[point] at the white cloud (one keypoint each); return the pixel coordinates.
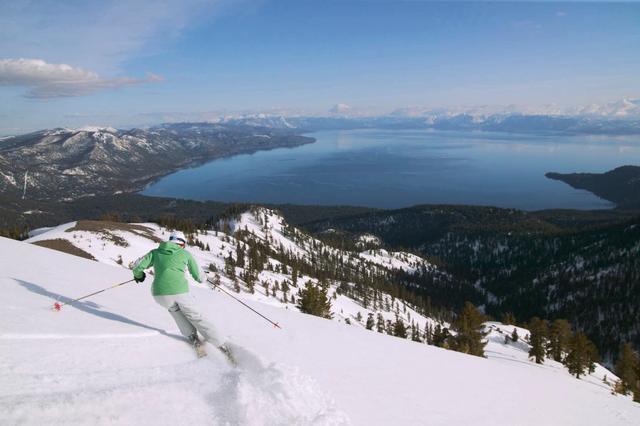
(29, 72)
(45, 80)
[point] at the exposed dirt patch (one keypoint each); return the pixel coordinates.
(104, 228)
(64, 246)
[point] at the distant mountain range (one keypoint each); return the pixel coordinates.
(470, 120)
(615, 118)
(65, 164)
(621, 109)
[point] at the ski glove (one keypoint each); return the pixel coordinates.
(141, 278)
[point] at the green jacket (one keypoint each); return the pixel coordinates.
(168, 261)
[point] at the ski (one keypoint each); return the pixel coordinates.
(227, 353)
(200, 351)
(198, 346)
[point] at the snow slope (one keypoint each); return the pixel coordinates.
(117, 359)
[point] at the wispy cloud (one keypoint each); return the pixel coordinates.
(98, 35)
(45, 80)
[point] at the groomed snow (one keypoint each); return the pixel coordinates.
(118, 359)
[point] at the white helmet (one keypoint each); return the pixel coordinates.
(178, 238)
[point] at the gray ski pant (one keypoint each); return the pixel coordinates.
(185, 313)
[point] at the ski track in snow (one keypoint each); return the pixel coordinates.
(206, 391)
(272, 395)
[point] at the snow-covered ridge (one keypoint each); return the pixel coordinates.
(269, 226)
(396, 260)
(368, 240)
(121, 245)
(97, 129)
(87, 129)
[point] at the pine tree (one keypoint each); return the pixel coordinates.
(514, 335)
(469, 327)
(251, 281)
(285, 289)
(370, 322)
(593, 356)
(239, 256)
(538, 331)
(229, 267)
(508, 319)
(428, 334)
(441, 336)
(380, 323)
(313, 300)
(577, 360)
(627, 370)
(559, 337)
(399, 329)
(415, 332)
(365, 299)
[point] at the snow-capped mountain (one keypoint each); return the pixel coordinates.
(618, 117)
(72, 163)
(624, 108)
(260, 120)
(118, 358)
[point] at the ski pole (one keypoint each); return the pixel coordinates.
(275, 324)
(57, 306)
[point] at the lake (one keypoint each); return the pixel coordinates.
(399, 168)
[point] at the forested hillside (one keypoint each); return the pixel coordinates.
(583, 267)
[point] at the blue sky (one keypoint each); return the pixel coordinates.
(136, 62)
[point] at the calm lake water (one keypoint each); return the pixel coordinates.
(399, 168)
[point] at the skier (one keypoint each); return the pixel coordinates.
(171, 290)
